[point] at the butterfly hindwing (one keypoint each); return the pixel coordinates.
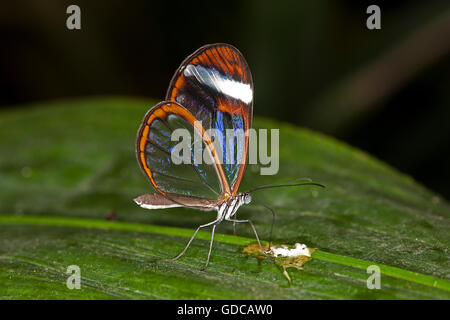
(163, 166)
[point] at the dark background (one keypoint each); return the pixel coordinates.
(385, 91)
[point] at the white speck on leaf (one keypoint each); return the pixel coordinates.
(283, 251)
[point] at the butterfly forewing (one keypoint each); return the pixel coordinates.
(216, 86)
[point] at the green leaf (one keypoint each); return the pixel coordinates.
(67, 165)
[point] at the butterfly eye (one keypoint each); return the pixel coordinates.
(247, 198)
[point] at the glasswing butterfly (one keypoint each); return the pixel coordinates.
(212, 89)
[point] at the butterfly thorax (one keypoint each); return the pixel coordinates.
(228, 208)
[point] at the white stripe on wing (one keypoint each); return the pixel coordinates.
(215, 80)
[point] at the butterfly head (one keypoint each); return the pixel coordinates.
(246, 197)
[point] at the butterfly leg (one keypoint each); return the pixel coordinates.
(273, 219)
(210, 247)
(254, 230)
(193, 236)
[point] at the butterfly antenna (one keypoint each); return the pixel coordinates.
(296, 179)
(269, 186)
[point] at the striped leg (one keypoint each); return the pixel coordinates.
(210, 247)
(218, 220)
(254, 230)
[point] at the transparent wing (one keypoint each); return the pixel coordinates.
(173, 163)
(216, 86)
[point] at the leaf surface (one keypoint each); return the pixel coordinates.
(66, 166)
